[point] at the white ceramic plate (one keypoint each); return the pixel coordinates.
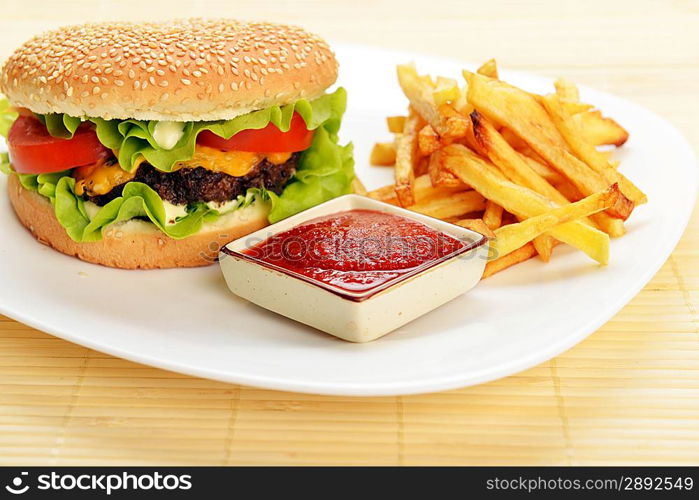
(187, 321)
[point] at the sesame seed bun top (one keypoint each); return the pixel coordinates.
(188, 70)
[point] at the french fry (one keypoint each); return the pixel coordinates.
(406, 160)
(521, 201)
(521, 113)
(422, 165)
(551, 176)
(421, 96)
(611, 225)
(574, 108)
(476, 225)
(587, 152)
(489, 69)
(424, 191)
(530, 153)
(520, 255)
(383, 154)
(387, 194)
(509, 238)
(404, 169)
(599, 130)
(461, 104)
(566, 188)
(446, 90)
(513, 139)
(395, 124)
(492, 217)
(456, 205)
(440, 176)
(358, 187)
(457, 124)
(427, 141)
(544, 246)
(567, 90)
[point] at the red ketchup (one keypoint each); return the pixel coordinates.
(356, 250)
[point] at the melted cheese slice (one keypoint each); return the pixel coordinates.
(100, 178)
(235, 163)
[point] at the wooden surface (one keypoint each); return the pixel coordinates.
(629, 394)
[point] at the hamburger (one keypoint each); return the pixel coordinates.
(151, 145)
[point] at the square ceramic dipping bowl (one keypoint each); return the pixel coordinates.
(356, 317)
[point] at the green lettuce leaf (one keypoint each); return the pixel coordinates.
(137, 200)
(5, 164)
(133, 138)
(7, 117)
(60, 125)
(325, 171)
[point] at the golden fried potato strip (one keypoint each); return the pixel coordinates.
(383, 154)
(599, 130)
(509, 238)
(489, 69)
(520, 255)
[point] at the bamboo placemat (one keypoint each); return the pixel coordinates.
(628, 394)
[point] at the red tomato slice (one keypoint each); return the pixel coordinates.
(34, 151)
(266, 140)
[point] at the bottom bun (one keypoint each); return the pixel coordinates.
(135, 244)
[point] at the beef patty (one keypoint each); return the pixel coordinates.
(191, 185)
